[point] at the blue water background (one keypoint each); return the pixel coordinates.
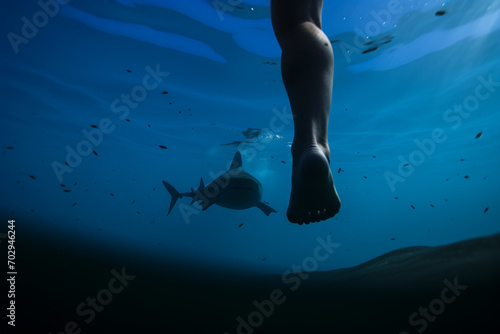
(224, 78)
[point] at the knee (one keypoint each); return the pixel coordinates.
(297, 32)
(290, 17)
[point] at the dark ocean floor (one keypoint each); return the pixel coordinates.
(447, 289)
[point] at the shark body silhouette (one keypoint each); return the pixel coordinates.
(234, 189)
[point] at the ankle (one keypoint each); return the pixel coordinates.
(300, 146)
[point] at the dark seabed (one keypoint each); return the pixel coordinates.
(458, 282)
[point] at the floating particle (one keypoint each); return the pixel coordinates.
(432, 205)
(447, 180)
(129, 71)
(67, 190)
(393, 238)
(133, 201)
(95, 153)
(162, 146)
(466, 176)
(413, 207)
(484, 178)
(283, 162)
(154, 188)
(273, 63)
(149, 125)
(405, 165)
(34, 178)
(264, 259)
(67, 164)
(272, 157)
(63, 185)
(440, 12)
(365, 177)
(335, 41)
(486, 210)
(111, 194)
(75, 183)
(462, 159)
(138, 212)
(152, 222)
(240, 225)
(164, 92)
(10, 147)
(396, 197)
(340, 170)
(94, 126)
(127, 120)
(170, 103)
(74, 204)
(86, 190)
(180, 111)
(479, 135)
(374, 156)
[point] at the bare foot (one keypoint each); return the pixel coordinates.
(313, 197)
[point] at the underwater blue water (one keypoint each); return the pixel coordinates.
(73, 70)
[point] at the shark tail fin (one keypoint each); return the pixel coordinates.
(265, 208)
(174, 193)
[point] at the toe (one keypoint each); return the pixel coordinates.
(317, 216)
(323, 214)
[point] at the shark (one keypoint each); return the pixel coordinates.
(234, 189)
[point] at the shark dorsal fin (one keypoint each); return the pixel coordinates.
(236, 161)
(201, 184)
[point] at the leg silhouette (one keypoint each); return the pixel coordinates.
(307, 70)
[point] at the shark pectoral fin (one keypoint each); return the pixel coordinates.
(265, 208)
